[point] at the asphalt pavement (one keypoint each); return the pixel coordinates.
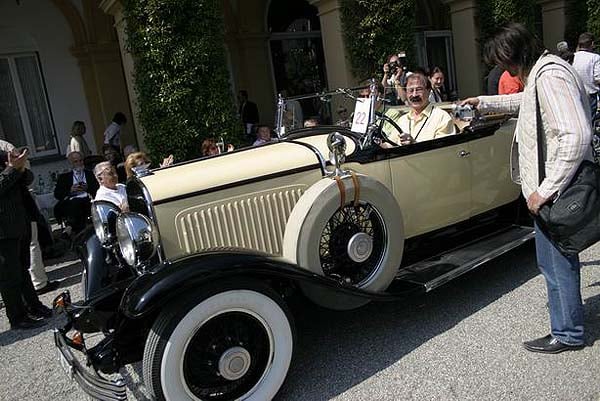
(460, 342)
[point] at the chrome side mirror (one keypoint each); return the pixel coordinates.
(337, 151)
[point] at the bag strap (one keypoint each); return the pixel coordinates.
(539, 129)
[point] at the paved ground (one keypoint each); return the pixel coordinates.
(461, 342)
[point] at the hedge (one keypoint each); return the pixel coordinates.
(181, 77)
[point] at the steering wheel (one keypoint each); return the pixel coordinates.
(381, 134)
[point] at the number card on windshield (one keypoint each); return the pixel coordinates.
(362, 109)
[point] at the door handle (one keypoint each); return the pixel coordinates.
(464, 153)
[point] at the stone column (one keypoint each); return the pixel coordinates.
(339, 70)
(115, 8)
(554, 18)
(465, 32)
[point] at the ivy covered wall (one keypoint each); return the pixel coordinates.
(493, 14)
(373, 29)
(593, 20)
(181, 77)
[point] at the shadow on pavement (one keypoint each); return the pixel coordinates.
(9, 337)
(591, 308)
(354, 345)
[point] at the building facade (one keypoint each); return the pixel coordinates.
(65, 60)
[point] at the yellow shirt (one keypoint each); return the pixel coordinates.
(431, 123)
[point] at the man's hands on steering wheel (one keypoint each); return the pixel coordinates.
(380, 133)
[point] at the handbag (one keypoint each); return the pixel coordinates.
(572, 221)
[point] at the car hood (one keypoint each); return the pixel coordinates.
(236, 167)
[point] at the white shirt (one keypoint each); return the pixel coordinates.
(587, 65)
(112, 134)
(260, 141)
(6, 146)
(117, 196)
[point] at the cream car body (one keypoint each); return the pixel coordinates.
(217, 245)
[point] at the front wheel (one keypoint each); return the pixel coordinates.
(235, 344)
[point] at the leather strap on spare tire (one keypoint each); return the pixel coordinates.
(306, 231)
(342, 189)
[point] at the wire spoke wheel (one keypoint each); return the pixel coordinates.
(226, 357)
(351, 246)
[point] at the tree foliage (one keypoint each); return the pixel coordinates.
(374, 29)
(593, 21)
(181, 77)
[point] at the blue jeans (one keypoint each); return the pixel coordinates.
(563, 281)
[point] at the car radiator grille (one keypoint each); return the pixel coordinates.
(252, 222)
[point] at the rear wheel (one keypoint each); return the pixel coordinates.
(235, 344)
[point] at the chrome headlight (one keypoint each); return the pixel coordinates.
(138, 238)
(104, 217)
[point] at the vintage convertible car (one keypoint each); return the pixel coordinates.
(195, 279)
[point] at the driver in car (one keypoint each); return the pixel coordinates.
(423, 122)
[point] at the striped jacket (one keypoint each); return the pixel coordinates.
(564, 107)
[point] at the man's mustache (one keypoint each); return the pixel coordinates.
(415, 98)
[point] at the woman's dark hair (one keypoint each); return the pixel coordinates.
(434, 71)
(513, 45)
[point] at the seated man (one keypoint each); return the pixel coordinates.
(73, 192)
(263, 135)
(424, 121)
(110, 190)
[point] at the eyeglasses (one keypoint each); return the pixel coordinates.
(418, 89)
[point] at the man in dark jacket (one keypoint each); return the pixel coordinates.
(248, 112)
(74, 190)
(23, 308)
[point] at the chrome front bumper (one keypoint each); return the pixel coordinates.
(94, 385)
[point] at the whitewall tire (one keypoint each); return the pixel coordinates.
(234, 345)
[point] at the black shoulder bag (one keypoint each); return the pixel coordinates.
(572, 221)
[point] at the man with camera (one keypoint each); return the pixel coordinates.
(394, 80)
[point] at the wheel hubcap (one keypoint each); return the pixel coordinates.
(234, 363)
(360, 247)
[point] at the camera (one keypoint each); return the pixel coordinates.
(400, 63)
(393, 67)
(464, 113)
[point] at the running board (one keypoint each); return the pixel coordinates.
(438, 270)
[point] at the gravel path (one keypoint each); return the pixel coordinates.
(460, 342)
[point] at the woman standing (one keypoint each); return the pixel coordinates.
(77, 142)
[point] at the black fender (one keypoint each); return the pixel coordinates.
(169, 280)
(95, 269)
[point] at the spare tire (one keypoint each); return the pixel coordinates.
(360, 243)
